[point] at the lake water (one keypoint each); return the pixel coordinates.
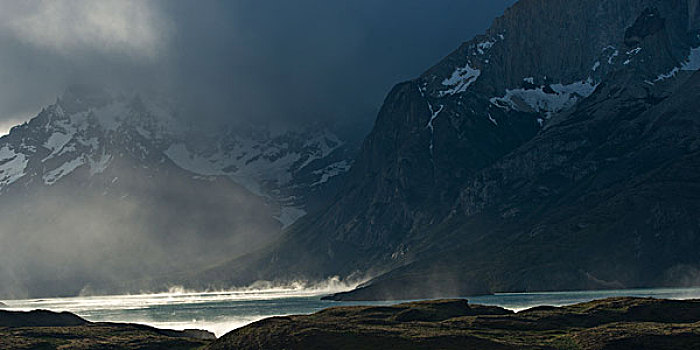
(221, 312)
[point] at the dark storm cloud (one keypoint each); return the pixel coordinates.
(287, 60)
(48, 45)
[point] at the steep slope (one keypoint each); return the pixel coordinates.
(416, 182)
(106, 192)
(601, 198)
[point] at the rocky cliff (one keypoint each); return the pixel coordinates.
(566, 130)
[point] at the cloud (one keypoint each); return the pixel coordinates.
(124, 27)
(289, 61)
(9, 123)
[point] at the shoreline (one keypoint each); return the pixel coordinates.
(447, 320)
(221, 315)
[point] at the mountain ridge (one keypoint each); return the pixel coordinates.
(140, 196)
(416, 179)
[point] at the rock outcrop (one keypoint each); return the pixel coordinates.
(618, 323)
(39, 318)
(41, 329)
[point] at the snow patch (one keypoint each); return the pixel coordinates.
(460, 80)
(331, 171)
(634, 51)
(493, 120)
(433, 116)
(66, 168)
(323, 145)
(289, 215)
(59, 139)
(668, 75)
(100, 165)
(613, 55)
(538, 100)
(692, 63)
(482, 47)
(12, 166)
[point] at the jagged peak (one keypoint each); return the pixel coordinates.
(528, 42)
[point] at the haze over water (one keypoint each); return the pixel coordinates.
(221, 312)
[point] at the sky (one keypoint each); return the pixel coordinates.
(293, 61)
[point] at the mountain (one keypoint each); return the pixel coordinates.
(106, 191)
(558, 150)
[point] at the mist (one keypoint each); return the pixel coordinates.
(129, 229)
(102, 246)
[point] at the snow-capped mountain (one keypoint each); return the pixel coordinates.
(287, 167)
(117, 183)
(86, 127)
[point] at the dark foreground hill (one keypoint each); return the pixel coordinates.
(42, 329)
(617, 323)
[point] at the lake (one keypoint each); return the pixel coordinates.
(220, 312)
